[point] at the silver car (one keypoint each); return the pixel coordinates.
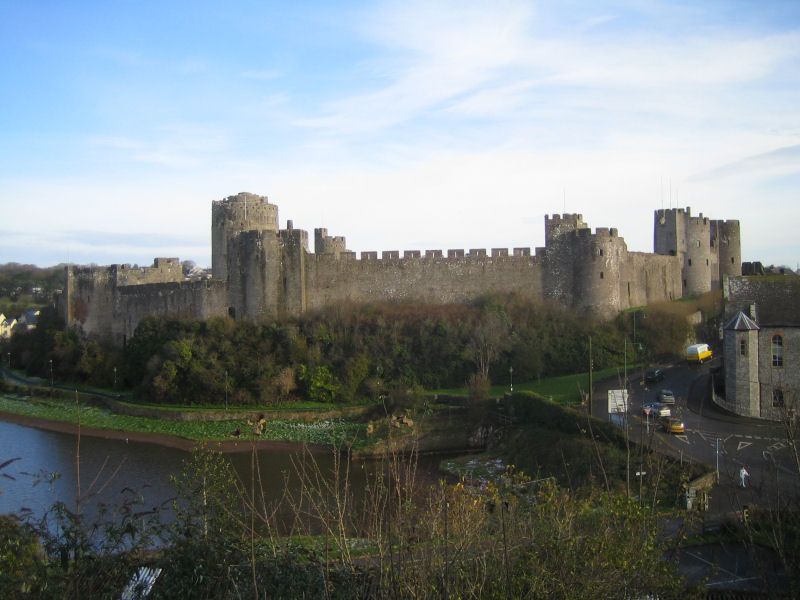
(666, 396)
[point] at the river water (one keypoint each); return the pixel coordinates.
(46, 471)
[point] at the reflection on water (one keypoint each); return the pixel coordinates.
(107, 467)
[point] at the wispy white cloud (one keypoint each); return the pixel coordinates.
(780, 161)
(177, 145)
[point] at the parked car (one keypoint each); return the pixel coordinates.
(673, 425)
(653, 376)
(666, 396)
(656, 410)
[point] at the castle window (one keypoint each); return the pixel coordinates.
(777, 398)
(698, 243)
(743, 347)
(706, 262)
(777, 351)
(690, 262)
(601, 275)
(601, 251)
(732, 261)
(684, 283)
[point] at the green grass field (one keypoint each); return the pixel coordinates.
(565, 390)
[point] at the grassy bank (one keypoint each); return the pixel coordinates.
(565, 390)
(322, 432)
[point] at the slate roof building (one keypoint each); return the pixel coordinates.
(762, 346)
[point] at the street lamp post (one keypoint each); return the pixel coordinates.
(51, 373)
(226, 390)
(717, 460)
(511, 379)
(115, 378)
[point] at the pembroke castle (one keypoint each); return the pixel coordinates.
(262, 271)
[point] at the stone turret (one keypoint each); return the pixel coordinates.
(327, 244)
(741, 365)
(697, 261)
(728, 242)
(233, 215)
(558, 225)
(598, 266)
(708, 250)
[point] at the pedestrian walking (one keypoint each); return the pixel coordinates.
(743, 475)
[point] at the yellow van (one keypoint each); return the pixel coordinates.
(697, 353)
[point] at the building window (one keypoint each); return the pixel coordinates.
(690, 262)
(732, 260)
(743, 347)
(684, 283)
(777, 351)
(777, 398)
(706, 262)
(601, 275)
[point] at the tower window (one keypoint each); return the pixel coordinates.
(601, 275)
(690, 262)
(732, 261)
(777, 351)
(777, 398)
(706, 262)
(684, 283)
(743, 347)
(601, 252)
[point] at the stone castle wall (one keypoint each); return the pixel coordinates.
(431, 278)
(260, 271)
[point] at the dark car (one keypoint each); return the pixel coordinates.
(653, 376)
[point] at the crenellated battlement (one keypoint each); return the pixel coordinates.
(261, 271)
(409, 256)
(557, 225)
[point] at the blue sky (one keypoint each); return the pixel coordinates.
(401, 125)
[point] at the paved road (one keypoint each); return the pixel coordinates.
(712, 436)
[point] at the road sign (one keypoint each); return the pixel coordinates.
(617, 401)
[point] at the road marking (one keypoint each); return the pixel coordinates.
(743, 445)
(682, 438)
(777, 446)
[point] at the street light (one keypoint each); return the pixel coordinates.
(51, 373)
(511, 379)
(115, 378)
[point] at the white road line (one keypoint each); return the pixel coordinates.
(743, 445)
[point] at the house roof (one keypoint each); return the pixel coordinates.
(741, 322)
(776, 299)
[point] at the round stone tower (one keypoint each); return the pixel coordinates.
(233, 215)
(598, 264)
(697, 260)
(729, 246)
